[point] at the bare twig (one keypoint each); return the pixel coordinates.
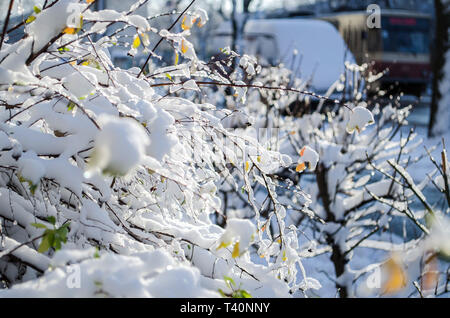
(5, 26)
(282, 88)
(444, 173)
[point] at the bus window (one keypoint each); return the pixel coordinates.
(405, 35)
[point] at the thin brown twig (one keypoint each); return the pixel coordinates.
(444, 172)
(21, 245)
(259, 87)
(5, 26)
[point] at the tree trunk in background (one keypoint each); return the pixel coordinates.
(338, 257)
(438, 58)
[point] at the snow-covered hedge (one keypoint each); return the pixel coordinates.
(93, 155)
(351, 229)
(130, 182)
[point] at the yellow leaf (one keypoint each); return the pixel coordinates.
(185, 26)
(430, 274)
(145, 39)
(302, 152)
(136, 41)
(176, 58)
(258, 158)
(30, 19)
(247, 166)
(90, 1)
(300, 167)
(235, 250)
(74, 30)
(184, 47)
(183, 23)
(263, 227)
(69, 30)
(223, 245)
(284, 258)
(396, 277)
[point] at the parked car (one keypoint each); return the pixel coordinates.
(316, 44)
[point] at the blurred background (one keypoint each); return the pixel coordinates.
(311, 37)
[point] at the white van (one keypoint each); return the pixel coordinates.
(317, 44)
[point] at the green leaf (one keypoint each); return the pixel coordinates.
(71, 106)
(65, 225)
(36, 9)
(169, 77)
(38, 225)
(57, 243)
(230, 282)
(244, 294)
(33, 188)
(62, 232)
(61, 236)
(45, 245)
(51, 219)
(222, 293)
(61, 50)
(51, 237)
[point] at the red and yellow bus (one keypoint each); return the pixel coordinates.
(401, 47)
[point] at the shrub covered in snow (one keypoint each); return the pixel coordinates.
(97, 156)
(347, 160)
(130, 182)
